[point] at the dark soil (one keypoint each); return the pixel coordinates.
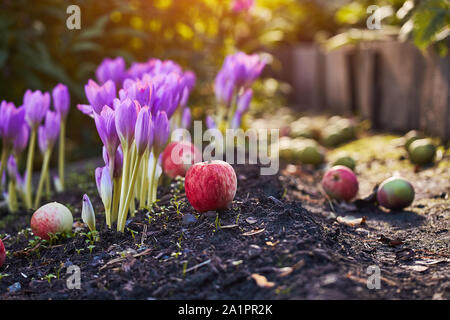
(279, 227)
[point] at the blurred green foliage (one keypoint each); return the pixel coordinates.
(426, 22)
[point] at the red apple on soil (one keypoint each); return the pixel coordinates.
(395, 193)
(2, 253)
(51, 218)
(178, 157)
(340, 183)
(210, 185)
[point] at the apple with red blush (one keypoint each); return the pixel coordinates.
(210, 185)
(50, 219)
(2, 253)
(178, 157)
(340, 183)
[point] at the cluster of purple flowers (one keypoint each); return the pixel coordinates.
(232, 88)
(242, 5)
(21, 127)
(134, 112)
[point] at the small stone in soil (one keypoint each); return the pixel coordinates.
(189, 219)
(15, 287)
(275, 200)
(96, 261)
(254, 251)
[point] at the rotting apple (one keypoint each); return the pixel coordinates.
(178, 157)
(2, 253)
(340, 183)
(50, 219)
(395, 193)
(210, 185)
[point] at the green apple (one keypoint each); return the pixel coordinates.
(422, 151)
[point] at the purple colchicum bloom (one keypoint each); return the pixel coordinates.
(144, 131)
(104, 183)
(99, 96)
(21, 141)
(210, 123)
(11, 121)
(239, 70)
(61, 100)
(236, 121)
(118, 161)
(138, 90)
(161, 130)
(186, 118)
(106, 127)
(223, 88)
(125, 119)
(36, 106)
(49, 132)
(111, 69)
(244, 100)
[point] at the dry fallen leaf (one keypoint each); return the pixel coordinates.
(283, 272)
(272, 244)
(417, 268)
(230, 226)
(351, 220)
(253, 232)
(251, 220)
(261, 281)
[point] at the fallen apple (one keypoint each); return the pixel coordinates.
(395, 193)
(210, 185)
(412, 136)
(340, 183)
(178, 157)
(422, 151)
(50, 219)
(2, 253)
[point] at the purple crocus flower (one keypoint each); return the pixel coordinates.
(186, 118)
(210, 123)
(125, 119)
(223, 88)
(161, 131)
(36, 106)
(21, 141)
(99, 96)
(61, 100)
(144, 131)
(111, 69)
(118, 161)
(11, 121)
(106, 127)
(236, 121)
(243, 102)
(49, 132)
(104, 183)
(138, 90)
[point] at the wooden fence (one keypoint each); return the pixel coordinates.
(391, 83)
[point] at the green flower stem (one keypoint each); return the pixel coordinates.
(44, 172)
(116, 196)
(144, 179)
(130, 196)
(47, 185)
(123, 188)
(29, 169)
(61, 149)
(12, 196)
(151, 198)
(3, 160)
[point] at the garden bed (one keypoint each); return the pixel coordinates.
(279, 227)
